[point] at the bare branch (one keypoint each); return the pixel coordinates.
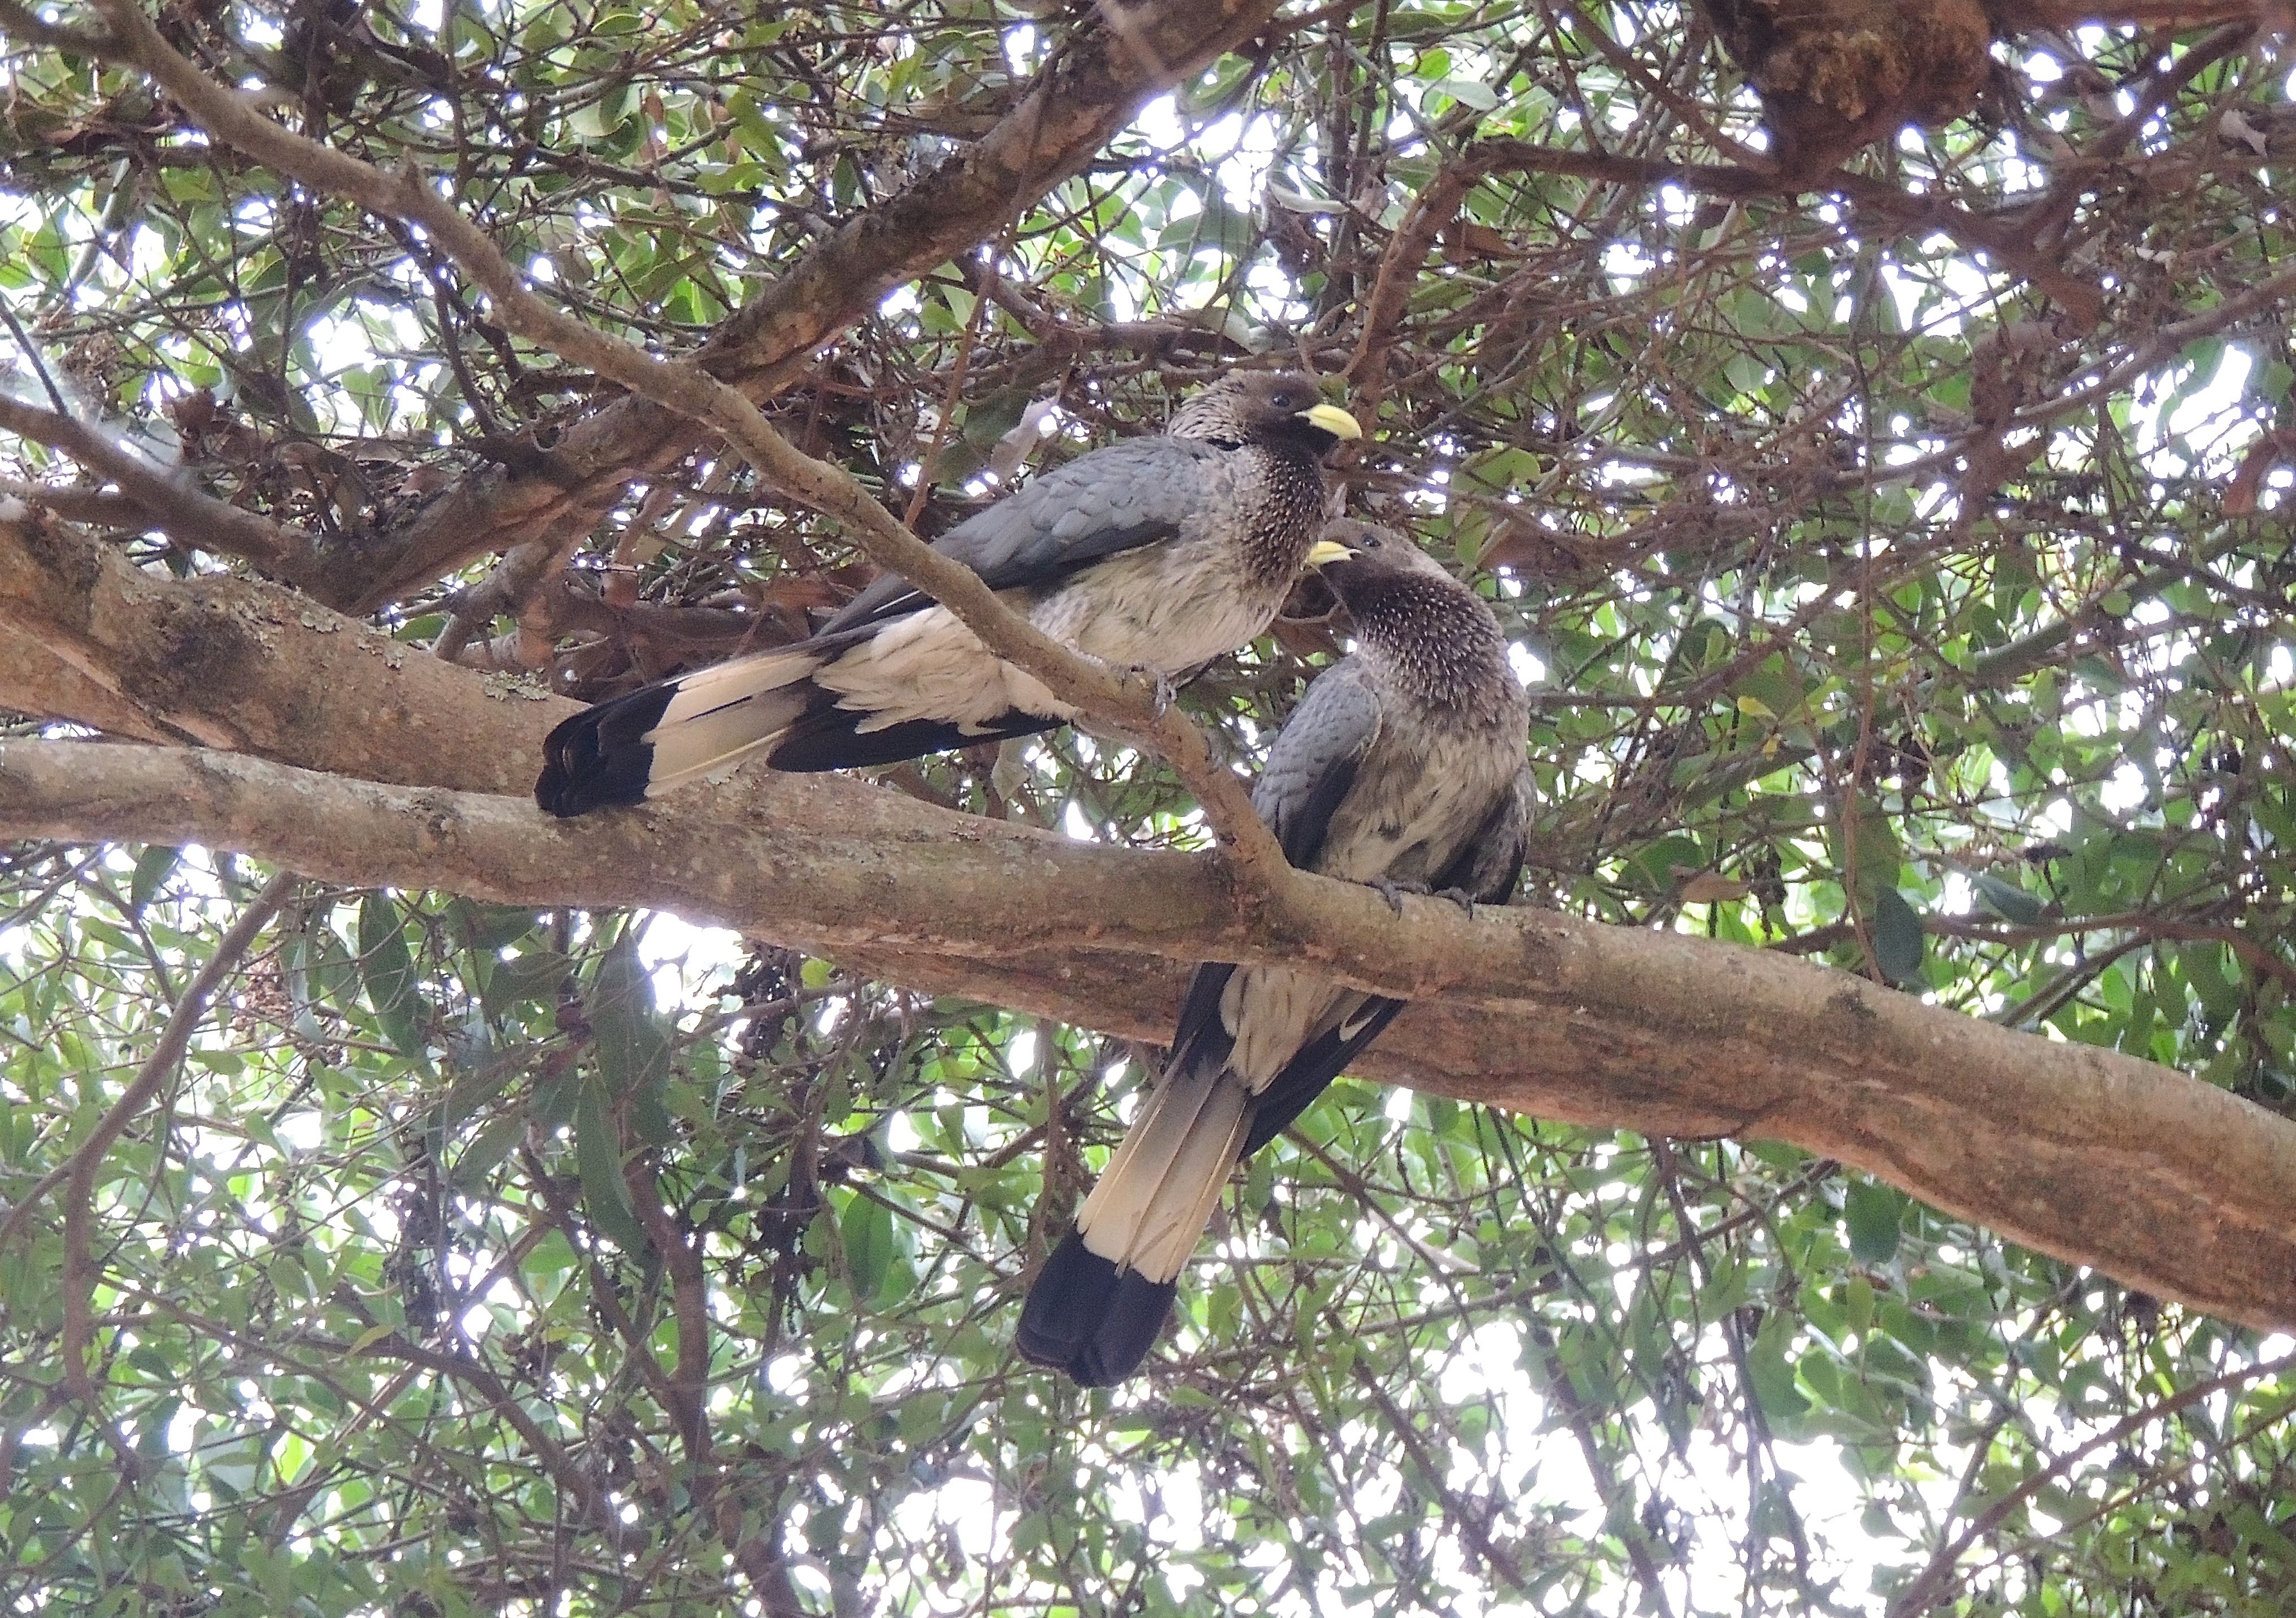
(1097, 79)
(1876, 199)
(18, 19)
(77, 501)
(169, 504)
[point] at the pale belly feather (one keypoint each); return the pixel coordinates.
(1127, 612)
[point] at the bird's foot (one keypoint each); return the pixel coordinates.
(1160, 684)
(1393, 891)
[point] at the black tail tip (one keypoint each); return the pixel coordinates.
(596, 760)
(1086, 1318)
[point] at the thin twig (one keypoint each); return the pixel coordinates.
(87, 1160)
(76, 501)
(17, 20)
(35, 359)
(1929, 1586)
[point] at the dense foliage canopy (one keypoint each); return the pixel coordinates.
(1899, 558)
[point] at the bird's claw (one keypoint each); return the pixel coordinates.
(1162, 691)
(1393, 891)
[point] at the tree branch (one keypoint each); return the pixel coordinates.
(1900, 211)
(2033, 1138)
(166, 503)
(18, 19)
(1932, 1586)
(240, 664)
(1098, 80)
(1126, 706)
(2098, 1158)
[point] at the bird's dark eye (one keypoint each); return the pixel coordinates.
(1370, 543)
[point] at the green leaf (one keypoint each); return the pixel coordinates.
(330, 974)
(534, 977)
(1768, 1369)
(2006, 900)
(2202, 965)
(1875, 1214)
(387, 971)
(487, 1148)
(1897, 932)
(154, 867)
(1658, 862)
(1866, 849)
(598, 1159)
(631, 1039)
(489, 927)
(1468, 92)
(867, 1229)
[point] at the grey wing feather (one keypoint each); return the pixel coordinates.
(1310, 772)
(1127, 494)
(1490, 862)
(1313, 765)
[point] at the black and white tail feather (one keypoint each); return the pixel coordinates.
(1404, 762)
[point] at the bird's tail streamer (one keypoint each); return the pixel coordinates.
(643, 744)
(1096, 1307)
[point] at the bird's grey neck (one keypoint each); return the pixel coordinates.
(1291, 486)
(1441, 645)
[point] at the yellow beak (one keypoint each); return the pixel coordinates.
(1333, 419)
(1325, 552)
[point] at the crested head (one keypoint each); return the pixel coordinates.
(1272, 407)
(1377, 561)
(1429, 629)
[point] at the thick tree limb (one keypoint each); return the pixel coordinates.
(2098, 1158)
(41, 682)
(236, 662)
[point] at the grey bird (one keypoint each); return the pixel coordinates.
(1159, 553)
(1403, 768)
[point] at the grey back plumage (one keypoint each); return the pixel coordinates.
(1316, 756)
(1128, 494)
(1239, 457)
